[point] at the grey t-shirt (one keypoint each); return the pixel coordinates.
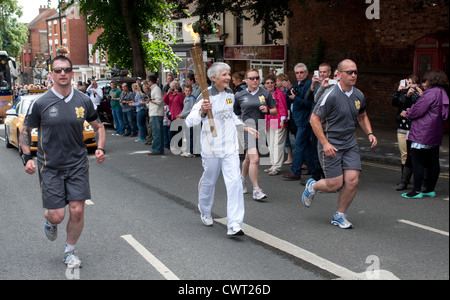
(339, 112)
(247, 104)
(60, 121)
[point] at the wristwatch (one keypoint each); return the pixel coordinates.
(26, 158)
(102, 150)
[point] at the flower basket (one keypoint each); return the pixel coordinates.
(204, 27)
(61, 50)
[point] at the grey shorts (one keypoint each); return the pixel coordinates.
(58, 187)
(346, 159)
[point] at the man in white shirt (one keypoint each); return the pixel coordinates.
(96, 93)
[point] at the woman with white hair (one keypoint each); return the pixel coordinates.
(220, 152)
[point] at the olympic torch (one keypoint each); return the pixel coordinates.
(197, 57)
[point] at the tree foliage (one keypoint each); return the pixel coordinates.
(16, 33)
(125, 25)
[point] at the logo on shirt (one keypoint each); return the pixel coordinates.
(53, 112)
(262, 99)
(357, 104)
(228, 101)
(80, 112)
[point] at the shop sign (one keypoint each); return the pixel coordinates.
(264, 52)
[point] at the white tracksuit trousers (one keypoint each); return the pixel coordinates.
(230, 166)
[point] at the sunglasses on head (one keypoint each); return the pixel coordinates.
(253, 78)
(59, 70)
(350, 72)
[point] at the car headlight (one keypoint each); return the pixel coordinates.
(88, 128)
(34, 131)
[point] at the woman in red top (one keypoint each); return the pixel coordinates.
(174, 98)
(276, 126)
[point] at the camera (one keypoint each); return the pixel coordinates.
(332, 81)
(293, 91)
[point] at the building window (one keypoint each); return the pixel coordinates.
(239, 31)
(178, 31)
(91, 59)
(64, 28)
(49, 28)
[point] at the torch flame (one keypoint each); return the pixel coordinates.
(194, 35)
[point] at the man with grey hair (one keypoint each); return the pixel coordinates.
(301, 111)
(220, 152)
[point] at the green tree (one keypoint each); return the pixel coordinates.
(13, 33)
(125, 24)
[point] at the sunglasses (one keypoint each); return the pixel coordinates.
(350, 72)
(59, 70)
(253, 78)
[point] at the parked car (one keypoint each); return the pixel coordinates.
(16, 116)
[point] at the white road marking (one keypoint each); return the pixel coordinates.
(273, 241)
(158, 265)
(424, 227)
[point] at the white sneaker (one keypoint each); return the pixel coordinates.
(244, 186)
(71, 260)
(308, 194)
(258, 194)
(340, 219)
(235, 230)
(206, 219)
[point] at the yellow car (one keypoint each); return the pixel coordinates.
(14, 121)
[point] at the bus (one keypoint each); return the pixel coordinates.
(8, 75)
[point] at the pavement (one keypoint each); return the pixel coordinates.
(387, 151)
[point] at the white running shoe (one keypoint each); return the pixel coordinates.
(71, 260)
(51, 231)
(308, 194)
(235, 230)
(206, 219)
(340, 219)
(244, 186)
(258, 194)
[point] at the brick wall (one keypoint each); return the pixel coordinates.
(383, 49)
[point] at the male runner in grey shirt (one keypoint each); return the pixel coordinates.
(62, 157)
(334, 121)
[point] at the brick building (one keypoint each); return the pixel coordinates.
(384, 49)
(50, 30)
(36, 47)
(69, 30)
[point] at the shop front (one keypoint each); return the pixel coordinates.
(267, 59)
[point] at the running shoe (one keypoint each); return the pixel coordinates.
(71, 260)
(235, 230)
(51, 231)
(244, 186)
(340, 220)
(308, 194)
(206, 219)
(258, 194)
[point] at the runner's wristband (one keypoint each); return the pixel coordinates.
(102, 150)
(370, 134)
(26, 158)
